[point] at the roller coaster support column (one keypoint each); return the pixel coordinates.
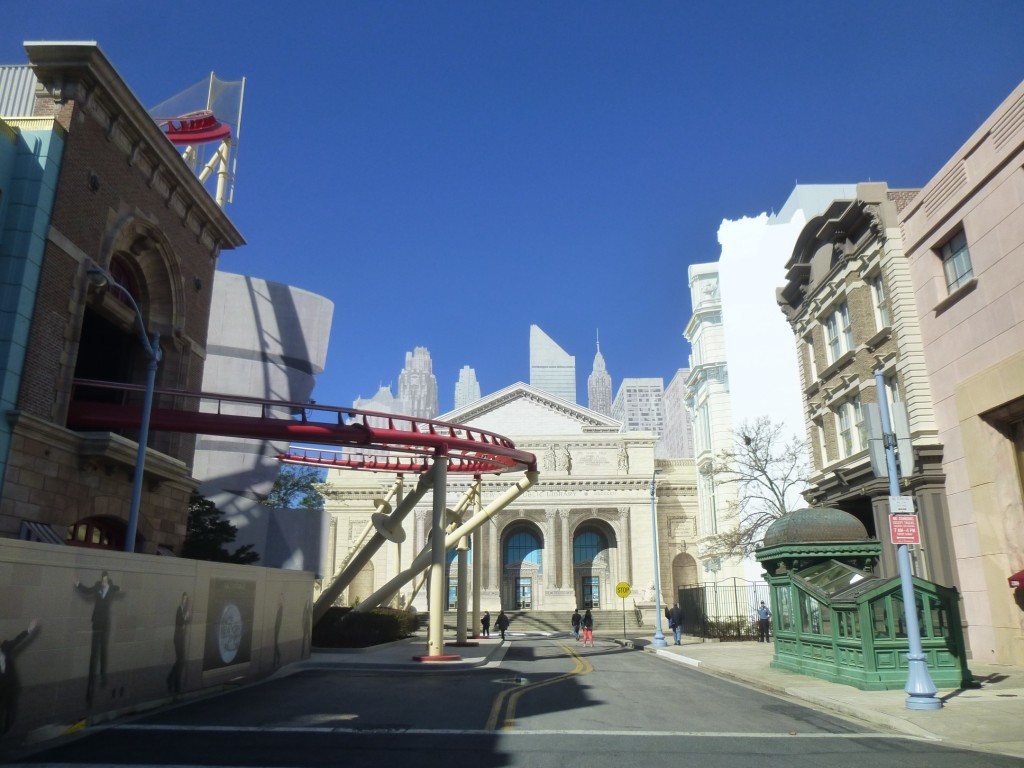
(461, 608)
(399, 497)
(389, 529)
(423, 559)
(478, 562)
(438, 582)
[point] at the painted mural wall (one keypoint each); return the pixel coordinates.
(85, 633)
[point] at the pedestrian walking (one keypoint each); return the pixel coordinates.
(576, 619)
(588, 628)
(675, 622)
(764, 621)
(501, 623)
(485, 624)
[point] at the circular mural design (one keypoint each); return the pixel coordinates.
(229, 632)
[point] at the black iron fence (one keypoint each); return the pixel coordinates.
(724, 610)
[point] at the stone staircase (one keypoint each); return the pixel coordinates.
(606, 622)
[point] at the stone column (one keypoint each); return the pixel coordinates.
(568, 581)
(493, 558)
(625, 545)
(551, 550)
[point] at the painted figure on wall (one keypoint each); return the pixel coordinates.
(10, 686)
(307, 628)
(277, 630)
(182, 616)
(102, 593)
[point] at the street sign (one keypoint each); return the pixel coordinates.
(904, 529)
(901, 505)
(622, 590)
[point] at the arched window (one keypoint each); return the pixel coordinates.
(588, 544)
(523, 547)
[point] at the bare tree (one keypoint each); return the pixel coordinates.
(769, 473)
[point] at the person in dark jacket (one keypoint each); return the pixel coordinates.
(576, 620)
(675, 622)
(764, 621)
(501, 623)
(485, 624)
(588, 628)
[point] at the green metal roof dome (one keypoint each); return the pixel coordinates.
(814, 525)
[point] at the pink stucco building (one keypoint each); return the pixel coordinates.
(964, 239)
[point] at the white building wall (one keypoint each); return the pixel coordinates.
(764, 374)
(265, 340)
(551, 367)
(709, 402)
(467, 388)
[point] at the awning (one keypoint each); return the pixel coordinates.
(1017, 580)
(33, 531)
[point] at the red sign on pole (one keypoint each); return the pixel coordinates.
(904, 529)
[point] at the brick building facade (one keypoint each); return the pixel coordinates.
(123, 201)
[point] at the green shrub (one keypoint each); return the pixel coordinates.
(731, 628)
(341, 628)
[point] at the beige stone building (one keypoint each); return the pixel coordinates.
(964, 240)
(849, 302)
(570, 539)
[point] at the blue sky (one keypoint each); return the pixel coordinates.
(450, 172)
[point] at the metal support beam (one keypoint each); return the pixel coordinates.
(423, 559)
(438, 577)
(343, 579)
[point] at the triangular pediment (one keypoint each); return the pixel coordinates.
(523, 410)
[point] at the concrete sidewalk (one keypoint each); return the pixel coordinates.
(989, 718)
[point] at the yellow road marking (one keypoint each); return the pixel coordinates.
(508, 699)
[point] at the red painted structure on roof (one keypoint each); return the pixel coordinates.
(194, 128)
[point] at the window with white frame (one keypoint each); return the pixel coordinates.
(956, 261)
(812, 367)
(881, 303)
(838, 332)
(819, 430)
(710, 512)
(702, 433)
(892, 391)
(850, 427)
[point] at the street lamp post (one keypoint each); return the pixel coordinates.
(920, 688)
(100, 278)
(659, 636)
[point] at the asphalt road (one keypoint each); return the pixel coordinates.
(549, 703)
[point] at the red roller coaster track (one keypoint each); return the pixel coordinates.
(405, 444)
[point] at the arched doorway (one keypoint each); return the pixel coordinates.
(686, 583)
(522, 558)
(684, 572)
(592, 543)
